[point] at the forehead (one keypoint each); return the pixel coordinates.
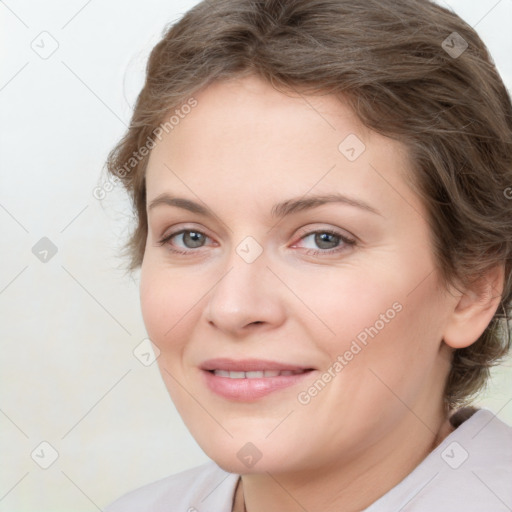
(245, 139)
(249, 108)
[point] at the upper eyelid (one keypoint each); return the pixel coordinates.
(338, 231)
(170, 232)
(300, 232)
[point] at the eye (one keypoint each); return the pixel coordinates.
(327, 241)
(190, 238)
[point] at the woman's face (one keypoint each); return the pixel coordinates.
(339, 293)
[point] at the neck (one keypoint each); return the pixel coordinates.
(349, 485)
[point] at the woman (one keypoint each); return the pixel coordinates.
(324, 237)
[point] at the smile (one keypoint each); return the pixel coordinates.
(250, 379)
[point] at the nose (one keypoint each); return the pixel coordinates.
(246, 296)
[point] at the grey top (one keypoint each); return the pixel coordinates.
(470, 470)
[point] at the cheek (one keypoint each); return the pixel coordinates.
(353, 306)
(400, 359)
(376, 322)
(167, 305)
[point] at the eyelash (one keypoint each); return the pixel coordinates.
(310, 252)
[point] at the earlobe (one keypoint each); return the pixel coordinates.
(475, 309)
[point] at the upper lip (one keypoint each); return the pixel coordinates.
(247, 365)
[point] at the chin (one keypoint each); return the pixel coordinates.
(233, 465)
(249, 457)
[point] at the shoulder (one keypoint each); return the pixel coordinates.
(470, 470)
(489, 444)
(476, 460)
(487, 438)
(188, 491)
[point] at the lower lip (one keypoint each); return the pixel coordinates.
(246, 390)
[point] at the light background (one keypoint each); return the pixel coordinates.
(69, 326)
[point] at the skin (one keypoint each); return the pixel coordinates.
(244, 148)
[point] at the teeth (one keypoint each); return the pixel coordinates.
(255, 374)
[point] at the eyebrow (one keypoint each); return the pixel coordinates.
(279, 210)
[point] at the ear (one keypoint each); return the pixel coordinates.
(475, 308)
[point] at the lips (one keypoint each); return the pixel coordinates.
(250, 379)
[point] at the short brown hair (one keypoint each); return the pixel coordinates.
(391, 60)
